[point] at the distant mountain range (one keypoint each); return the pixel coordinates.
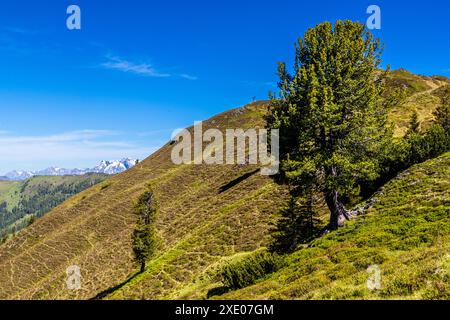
(106, 167)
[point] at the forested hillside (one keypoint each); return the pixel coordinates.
(21, 203)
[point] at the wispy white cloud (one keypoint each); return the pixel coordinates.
(188, 77)
(143, 69)
(18, 30)
(68, 149)
(140, 68)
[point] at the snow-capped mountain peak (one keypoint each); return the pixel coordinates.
(106, 167)
(19, 175)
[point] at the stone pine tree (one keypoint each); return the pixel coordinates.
(144, 235)
(331, 113)
(414, 124)
(297, 224)
(442, 113)
(414, 138)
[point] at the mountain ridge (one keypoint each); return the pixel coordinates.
(106, 167)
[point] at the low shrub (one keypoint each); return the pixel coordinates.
(246, 271)
(414, 148)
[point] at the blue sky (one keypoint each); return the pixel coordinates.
(139, 69)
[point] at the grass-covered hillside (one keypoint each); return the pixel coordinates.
(422, 96)
(207, 213)
(6, 185)
(406, 234)
(210, 215)
(23, 202)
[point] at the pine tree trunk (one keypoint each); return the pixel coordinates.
(142, 267)
(338, 212)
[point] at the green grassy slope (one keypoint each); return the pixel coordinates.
(422, 97)
(6, 185)
(208, 215)
(36, 196)
(200, 223)
(9, 191)
(407, 234)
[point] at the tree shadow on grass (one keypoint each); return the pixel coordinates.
(108, 291)
(235, 182)
(218, 291)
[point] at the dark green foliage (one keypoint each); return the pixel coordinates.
(331, 112)
(434, 142)
(415, 147)
(414, 124)
(442, 113)
(144, 234)
(248, 270)
(297, 225)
